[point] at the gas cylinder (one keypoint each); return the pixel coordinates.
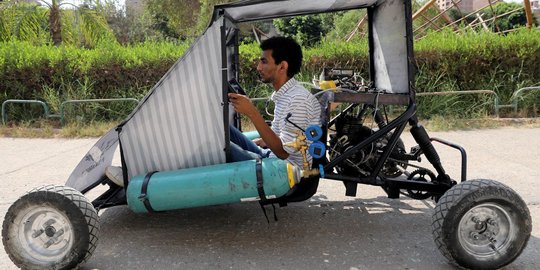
(211, 185)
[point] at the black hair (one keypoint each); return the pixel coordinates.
(285, 49)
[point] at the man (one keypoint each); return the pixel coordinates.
(281, 59)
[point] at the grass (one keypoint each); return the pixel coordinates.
(48, 129)
(446, 124)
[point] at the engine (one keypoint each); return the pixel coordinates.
(351, 131)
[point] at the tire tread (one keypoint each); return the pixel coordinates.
(449, 199)
(83, 204)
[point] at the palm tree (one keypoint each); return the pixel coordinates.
(78, 25)
(55, 25)
(21, 21)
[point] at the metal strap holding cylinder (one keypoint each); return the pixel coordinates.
(144, 192)
(260, 183)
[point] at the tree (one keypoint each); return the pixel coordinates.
(81, 25)
(345, 23)
(507, 22)
(207, 6)
(22, 22)
(90, 23)
(307, 30)
(177, 19)
(510, 21)
(181, 19)
(130, 26)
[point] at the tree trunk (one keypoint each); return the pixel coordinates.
(55, 25)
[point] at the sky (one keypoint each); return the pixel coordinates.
(119, 3)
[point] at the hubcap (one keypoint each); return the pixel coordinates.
(44, 233)
(486, 230)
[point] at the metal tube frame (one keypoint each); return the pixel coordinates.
(21, 101)
(375, 178)
(390, 185)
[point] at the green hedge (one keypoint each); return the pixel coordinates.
(111, 69)
(445, 62)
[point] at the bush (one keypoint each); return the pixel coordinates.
(445, 62)
(59, 73)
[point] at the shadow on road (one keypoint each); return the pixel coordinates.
(376, 233)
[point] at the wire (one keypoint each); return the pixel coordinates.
(266, 107)
(376, 103)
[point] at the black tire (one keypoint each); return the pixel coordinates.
(51, 227)
(481, 224)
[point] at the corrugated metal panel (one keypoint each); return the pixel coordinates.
(390, 47)
(180, 122)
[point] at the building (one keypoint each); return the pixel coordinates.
(134, 7)
(466, 6)
(535, 6)
(444, 4)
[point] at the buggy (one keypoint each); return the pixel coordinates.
(175, 150)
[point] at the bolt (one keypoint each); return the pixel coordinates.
(50, 231)
(49, 222)
(37, 233)
(54, 238)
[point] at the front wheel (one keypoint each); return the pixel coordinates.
(51, 227)
(481, 224)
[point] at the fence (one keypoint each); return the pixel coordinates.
(515, 98)
(61, 115)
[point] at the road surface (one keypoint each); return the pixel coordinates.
(329, 231)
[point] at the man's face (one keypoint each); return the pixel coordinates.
(267, 68)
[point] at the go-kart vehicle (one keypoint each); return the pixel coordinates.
(175, 150)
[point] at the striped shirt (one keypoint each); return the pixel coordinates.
(305, 109)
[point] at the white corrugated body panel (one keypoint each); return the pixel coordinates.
(390, 47)
(179, 124)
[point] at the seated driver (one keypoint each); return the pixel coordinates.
(281, 59)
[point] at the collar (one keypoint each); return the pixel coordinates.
(291, 83)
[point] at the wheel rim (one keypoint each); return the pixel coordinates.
(486, 230)
(45, 234)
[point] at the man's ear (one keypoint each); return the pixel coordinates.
(284, 65)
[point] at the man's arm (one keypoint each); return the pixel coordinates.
(243, 105)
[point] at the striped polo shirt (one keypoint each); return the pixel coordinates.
(306, 110)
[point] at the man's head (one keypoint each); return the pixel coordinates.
(281, 56)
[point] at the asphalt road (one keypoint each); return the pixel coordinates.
(329, 231)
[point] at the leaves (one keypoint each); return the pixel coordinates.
(307, 30)
(82, 26)
(182, 19)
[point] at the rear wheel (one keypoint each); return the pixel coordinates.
(481, 224)
(51, 227)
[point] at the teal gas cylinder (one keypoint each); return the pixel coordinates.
(212, 185)
(252, 135)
